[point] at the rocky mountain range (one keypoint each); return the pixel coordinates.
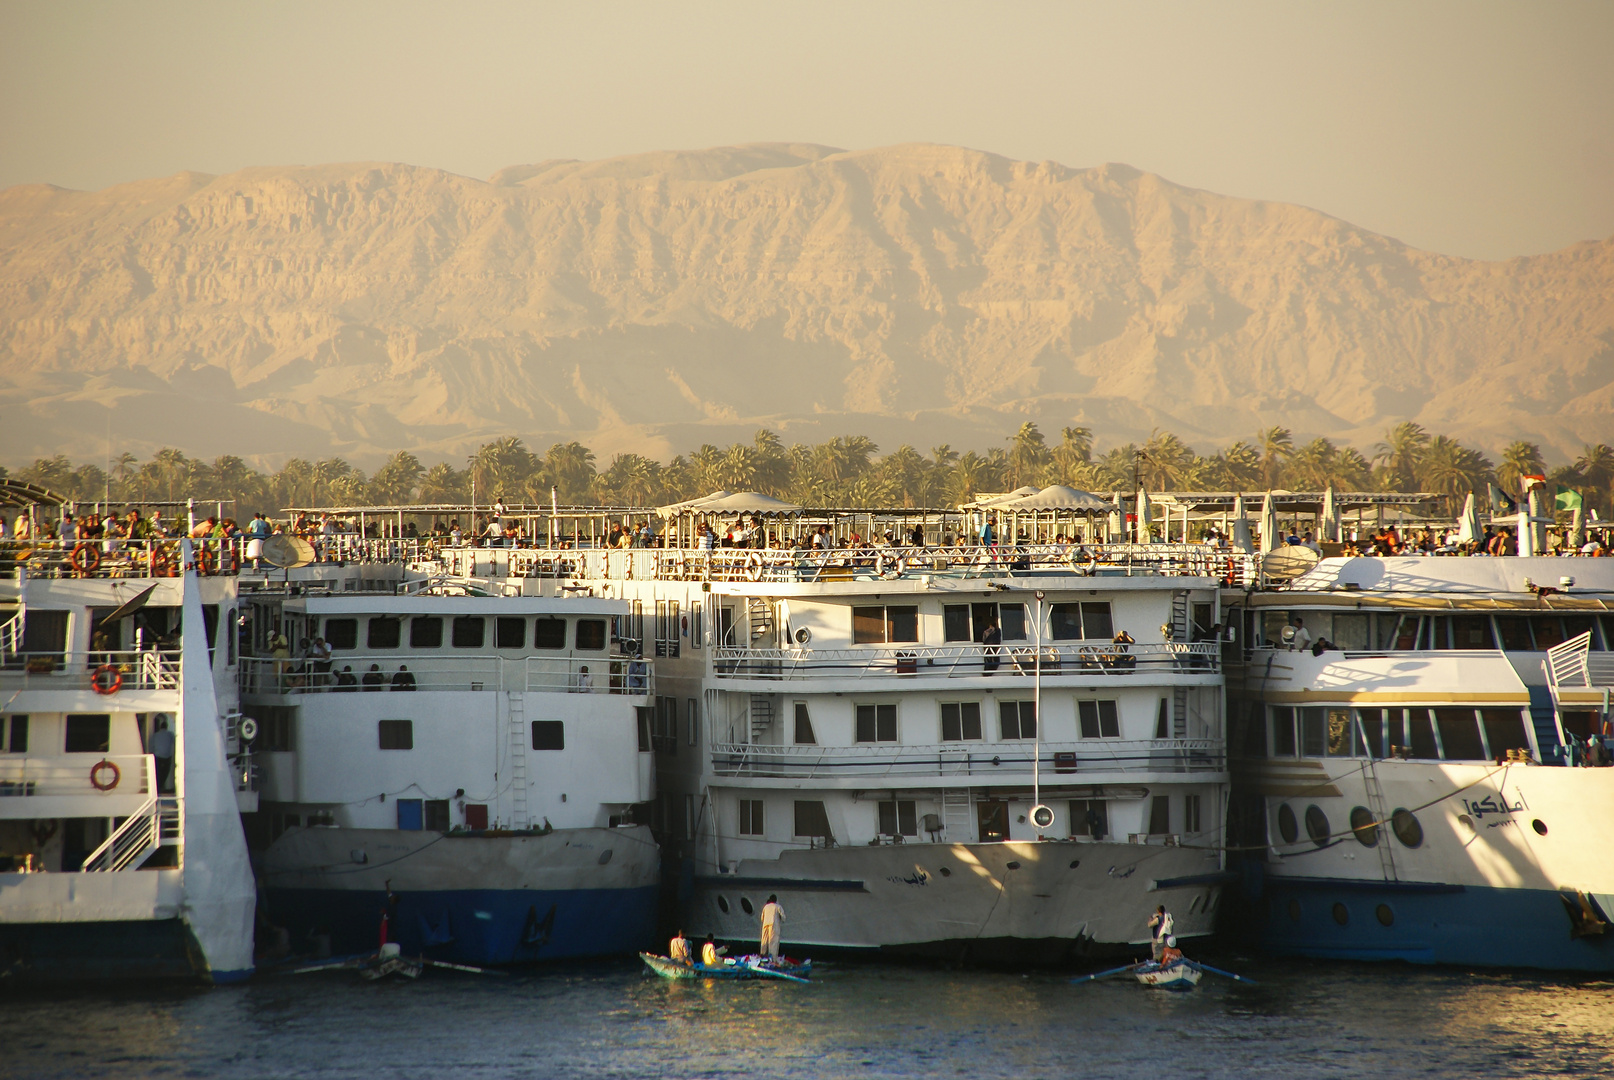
(914, 293)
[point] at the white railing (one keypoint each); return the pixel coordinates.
(960, 661)
(143, 832)
(347, 673)
(11, 637)
(1574, 664)
(847, 564)
(146, 669)
(972, 759)
(25, 777)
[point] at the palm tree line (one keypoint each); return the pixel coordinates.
(847, 470)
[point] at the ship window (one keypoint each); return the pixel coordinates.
(437, 815)
(1065, 622)
(646, 717)
(811, 820)
(1190, 814)
(956, 623)
(1342, 914)
(509, 632)
(1340, 730)
(1362, 824)
(1515, 632)
(1372, 731)
(591, 634)
(1012, 620)
(1575, 625)
(898, 818)
(751, 817)
(992, 820)
(960, 721)
(1350, 632)
(1471, 632)
(1385, 916)
(468, 632)
(16, 738)
(1404, 823)
(1096, 621)
(342, 633)
(1283, 732)
(397, 734)
(1017, 719)
(1162, 720)
(383, 633)
(1099, 719)
(1405, 636)
(1317, 825)
(1549, 631)
(1422, 734)
(1272, 626)
(549, 633)
(45, 631)
(878, 625)
(1313, 725)
(1504, 731)
(276, 723)
(876, 723)
(548, 735)
(1089, 817)
(804, 726)
(1459, 735)
(88, 733)
(1160, 815)
(425, 632)
(1288, 827)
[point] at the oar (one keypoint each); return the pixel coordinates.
(1219, 971)
(462, 967)
(1105, 974)
(772, 974)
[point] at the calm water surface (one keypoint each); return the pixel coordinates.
(608, 1020)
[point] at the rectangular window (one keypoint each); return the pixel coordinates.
(868, 626)
(1160, 815)
(437, 815)
(1017, 719)
(1283, 732)
(956, 623)
(1459, 735)
(18, 741)
(1515, 632)
(1190, 814)
(411, 815)
(1340, 741)
(549, 633)
(1065, 622)
(1313, 732)
(897, 818)
(876, 723)
(383, 633)
(1099, 719)
(647, 717)
(902, 623)
(1012, 618)
(1162, 720)
(1372, 723)
(548, 735)
(342, 633)
(45, 631)
(1471, 632)
(397, 734)
(509, 632)
(692, 721)
(1351, 632)
(1097, 624)
(591, 634)
(811, 820)
(88, 733)
(751, 817)
(992, 821)
(1422, 734)
(468, 632)
(1089, 817)
(1549, 631)
(426, 632)
(961, 721)
(1504, 731)
(697, 625)
(804, 726)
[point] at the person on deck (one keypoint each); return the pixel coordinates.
(162, 749)
(404, 679)
(992, 639)
(1161, 926)
(678, 949)
(373, 679)
(772, 916)
(709, 955)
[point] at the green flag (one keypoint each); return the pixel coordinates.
(1567, 499)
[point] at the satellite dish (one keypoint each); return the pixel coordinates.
(287, 552)
(1288, 562)
(1041, 816)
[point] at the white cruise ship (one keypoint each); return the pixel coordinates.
(1411, 791)
(465, 766)
(114, 863)
(831, 728)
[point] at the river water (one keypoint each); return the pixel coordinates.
(856, 1020)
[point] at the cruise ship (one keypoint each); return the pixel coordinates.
(1413, 785)
(839, 728)
(445, 764)
(114, 862)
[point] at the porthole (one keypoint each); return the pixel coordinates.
(1317, 825)
(605, 856)
(1466, 822)
(1385, 915)
(723, 904)
(1342, 914)
(1363, 825)
(1074, 863)
(745, 905)
(1539, 826)
(944, 872)
(1012, 865)
(1404, 823)
(1288, 828)
(1294, 911)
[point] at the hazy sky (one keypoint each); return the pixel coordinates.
(1474, 128)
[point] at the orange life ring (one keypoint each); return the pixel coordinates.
(161, 564)
(100, 682)
(85, 558)
(207, 561)
(95, 775)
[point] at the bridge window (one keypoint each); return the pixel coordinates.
(1313, 726)
(897, 818)
(548, 735)
(876, 723)
(1515, 632)
(1099, 719)
(1283, 732)
(1341, 742)
(1459, 735)
(960, 721)
(1504, 731)
(426, 632)
(469, 632)
(509, 633)
(397, 734)
(384, 633)
(88, 733)
(751, 818)
(1089, 817)
(342, 633)
(591, 634)
(549, 633)
(1371, 737)
(1472, 632)
(1421, 734)
(1018, 719)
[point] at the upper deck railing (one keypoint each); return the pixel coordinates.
(969, 661)
(105, 672)
(533, 674)
(1574, 664)
(1058, 762)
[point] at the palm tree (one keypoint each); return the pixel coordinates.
(1166, 462)
(1277, 446)
(500, 466)
(445, 484)
(1596, 467)
(738, 469)
(1519, 459)
(1401, 454)
(571, 469)
(1453, 470)
(395, 481)
(1027, 453)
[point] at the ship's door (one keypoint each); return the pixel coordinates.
(992, 819)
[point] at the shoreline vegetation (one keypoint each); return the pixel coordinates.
(845, 471)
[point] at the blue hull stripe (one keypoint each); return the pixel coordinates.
(1472, 926)
(474, 926)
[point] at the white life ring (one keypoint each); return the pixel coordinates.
(753, 567)
(247, 729)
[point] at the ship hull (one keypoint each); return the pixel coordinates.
(485, 900)
(100, 951)
(1000, 903)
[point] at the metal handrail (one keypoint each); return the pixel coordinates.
(24, 777)
(1569, 664)
(969, 759)
(476, 671)
(142, 669)
(954, 661)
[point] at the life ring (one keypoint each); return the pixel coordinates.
(753, 567)
(106, 680)
(248, 729)
(207, 560)
(95, 775)
(85, 558)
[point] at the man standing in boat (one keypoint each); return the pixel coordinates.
(1161, 927)
(772, 916)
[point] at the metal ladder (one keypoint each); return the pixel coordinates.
(518, 761)
(1376, 804)
(761, 715)
(955, 804)
(1179, 616)
(760, 614)
(1179, 713)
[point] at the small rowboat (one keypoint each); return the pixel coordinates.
(744, 967)
(1177, 975)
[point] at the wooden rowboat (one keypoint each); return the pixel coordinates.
(1177, 975)
(745, 967)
